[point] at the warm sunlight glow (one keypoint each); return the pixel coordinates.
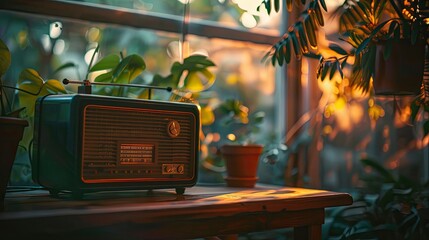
(231, 137)
(88, 56)
(46, 42)
(248, 20)
(93, 35)
(59, 47)
(55, 29)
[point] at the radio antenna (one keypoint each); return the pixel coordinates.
(86, 86)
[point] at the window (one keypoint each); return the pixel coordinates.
(47, 35)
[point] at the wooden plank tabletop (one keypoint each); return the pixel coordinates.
(39, 213)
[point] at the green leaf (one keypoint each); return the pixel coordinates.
(267, 54)
(198, 60)
(392, 28)
(336, 48)
(30, 81)
(379, 7)
(54, 86)
(5, 58)
(198, 81)
(277, 5)
(130, 67)
(310, 31)
(339, 69)
(273, 57)
(325, 70)
(335, 66)
(268, 6)
(286, 50)
(365, 43)
(295, 44)
(106, 63)
(32, 78)
(105, 77)
(319, 15)
(322, 2)
(279, 55)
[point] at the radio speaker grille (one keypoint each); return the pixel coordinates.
(108, 130)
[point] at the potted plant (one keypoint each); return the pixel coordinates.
(240, 153)
(11, 127)
(373, 30)
(30, 87)
(380, 46)
(389, 206)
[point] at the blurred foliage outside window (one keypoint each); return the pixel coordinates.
(45, 43)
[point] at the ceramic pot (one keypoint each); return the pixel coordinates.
(241, 164)
(402, 72)
(11, 131)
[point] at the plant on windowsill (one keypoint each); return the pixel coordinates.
(389, 206)
(241, 153)
(386, 42)
(30, 86)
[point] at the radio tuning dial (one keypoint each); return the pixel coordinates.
(180, 169)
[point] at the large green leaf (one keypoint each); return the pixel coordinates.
(132, 65)
(54, 86)
(310, 31)
(198, 81)
(106, 63)
(31, 80)
(33, 87)
(105, 77)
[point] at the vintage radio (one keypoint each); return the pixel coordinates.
(85, 143)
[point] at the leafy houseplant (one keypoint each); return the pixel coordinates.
(11, 127)
(241, 154)
(378, 41)
(30, 86)
(390, 206)
(363, 25)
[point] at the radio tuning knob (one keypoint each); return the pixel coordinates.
(173, 128)
(180, 168)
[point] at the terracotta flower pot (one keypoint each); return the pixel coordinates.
(241, 164)
(11, 131)
(402, 72)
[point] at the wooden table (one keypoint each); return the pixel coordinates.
(161, 214)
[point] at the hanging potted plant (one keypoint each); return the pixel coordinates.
(241, 154)
(386, 42)
(383, 36)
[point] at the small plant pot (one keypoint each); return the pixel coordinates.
(241, 164)
(402, 72)
(11, 131)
